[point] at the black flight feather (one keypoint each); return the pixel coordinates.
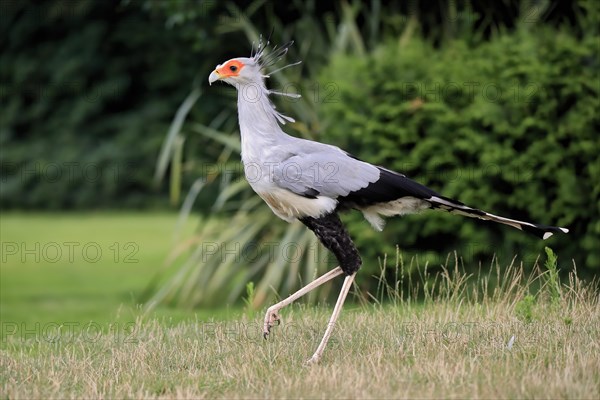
(389, 187)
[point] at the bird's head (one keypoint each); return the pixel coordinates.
(239, 70)
(249, 70)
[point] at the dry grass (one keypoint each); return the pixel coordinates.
(461, 342)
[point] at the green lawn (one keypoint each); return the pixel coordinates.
(464, 340)
(448, 347)
(82, 268)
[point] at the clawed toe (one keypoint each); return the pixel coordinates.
(271, 318)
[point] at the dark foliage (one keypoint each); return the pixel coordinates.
(88, 90)
(509, 126)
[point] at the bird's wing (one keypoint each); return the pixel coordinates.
(327, 172)
(374, 190)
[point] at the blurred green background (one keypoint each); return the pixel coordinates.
(111, 138)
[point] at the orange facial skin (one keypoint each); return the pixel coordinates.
(230, 69)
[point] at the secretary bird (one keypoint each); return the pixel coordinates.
(309, 181)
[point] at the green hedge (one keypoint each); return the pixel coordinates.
(88, 90)
(510, 126)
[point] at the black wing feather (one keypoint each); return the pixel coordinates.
(389, 187)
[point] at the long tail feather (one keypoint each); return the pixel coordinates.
(455, 207)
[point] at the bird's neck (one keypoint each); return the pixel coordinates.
(259, 128)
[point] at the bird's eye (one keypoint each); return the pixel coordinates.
(233, 68)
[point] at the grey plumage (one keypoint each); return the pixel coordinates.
(324, 169)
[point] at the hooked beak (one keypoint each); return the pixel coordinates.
(214, 76)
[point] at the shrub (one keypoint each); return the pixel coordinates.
(87, 90)
(510, 126)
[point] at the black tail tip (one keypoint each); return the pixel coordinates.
(543, 231)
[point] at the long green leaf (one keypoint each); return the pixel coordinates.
(174, 130)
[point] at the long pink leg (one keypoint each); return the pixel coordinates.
(272, 315)
(334, 316)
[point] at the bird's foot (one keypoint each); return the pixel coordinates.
(271, 317)
(314, 360)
